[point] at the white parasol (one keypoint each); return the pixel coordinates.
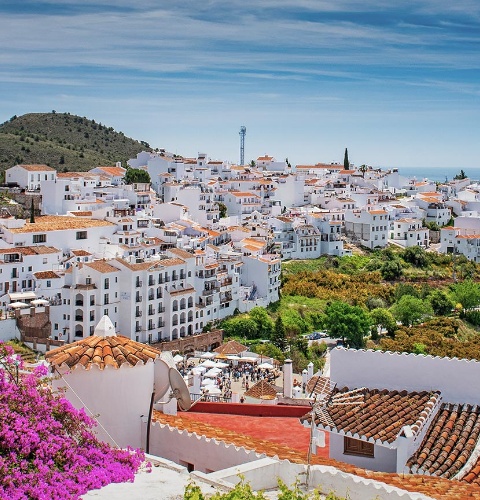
(17, 305)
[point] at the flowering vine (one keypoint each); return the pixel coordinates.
(48, 449)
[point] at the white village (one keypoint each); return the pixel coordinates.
(121, 286)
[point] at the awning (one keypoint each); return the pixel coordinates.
(22, 296)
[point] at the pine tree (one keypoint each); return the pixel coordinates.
(279, 338)
(346, 163)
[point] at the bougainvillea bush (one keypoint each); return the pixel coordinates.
(48, 449)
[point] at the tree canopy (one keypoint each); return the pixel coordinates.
(136, 175)
(350, 323)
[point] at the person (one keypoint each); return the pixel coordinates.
(242, 399)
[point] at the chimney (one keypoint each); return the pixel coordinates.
(287, 378)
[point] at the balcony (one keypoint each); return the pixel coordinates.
(159, 294)
(138, 328)
(161, 309)
(151, 312)
(138, 283)
(78, 318)
(151, 296)
(161, 324)
(211, 291)
(151, 282)
(138, 314)
(138, 298)
(79, 302)
(175, 322)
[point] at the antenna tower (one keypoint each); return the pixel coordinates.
(243, 132)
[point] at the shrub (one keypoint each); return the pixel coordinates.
(47, 447)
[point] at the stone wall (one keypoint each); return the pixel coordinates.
(201, 342)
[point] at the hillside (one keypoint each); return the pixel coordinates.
(63, 141)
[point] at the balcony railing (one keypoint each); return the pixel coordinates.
(78, 318)
(79, 302)
(138, 283)
(138, 298)
(138, 314)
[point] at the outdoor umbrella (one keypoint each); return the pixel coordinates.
(211, 389)
(39, 302)
(266, 366)
(17, 305)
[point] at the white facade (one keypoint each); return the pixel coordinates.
(29, 176)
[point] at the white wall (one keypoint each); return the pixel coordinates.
(384, 460)
(264, 473)
(457, 379)
(206, 455)
(9, 330)
(119, 396)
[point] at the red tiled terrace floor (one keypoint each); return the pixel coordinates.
(286, 431)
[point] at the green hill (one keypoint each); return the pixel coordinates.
(63, 141)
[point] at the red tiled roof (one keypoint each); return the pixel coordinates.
(262, 390)
(449, 442)
(114, 350)
(434, 487)
(396, 408)
(231, 347)
(37, 168)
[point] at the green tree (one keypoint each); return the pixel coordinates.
(383, 318)
(462, 175)
(223, 209)
(136, 175)
(391, 270)
(467, 293)
(410, 310)
(346, 162)
(415, 255)
(263, 321)
(350, 323)
(279, 337)
(241, 327)
(441, 303)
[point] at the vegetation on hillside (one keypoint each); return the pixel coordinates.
(428, 307)
(63, 141)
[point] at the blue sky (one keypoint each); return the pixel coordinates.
(398, 83)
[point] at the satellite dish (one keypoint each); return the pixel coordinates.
(167, 357)
(161, 379)
(179, 389)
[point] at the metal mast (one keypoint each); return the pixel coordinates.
(243, 132)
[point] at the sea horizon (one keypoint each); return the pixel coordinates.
(436, 174)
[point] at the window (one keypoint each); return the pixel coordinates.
(39, 238)
(81, 235)
(107, 283)
(357, 447)
(49, 283)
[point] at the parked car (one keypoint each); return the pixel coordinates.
(318, 335)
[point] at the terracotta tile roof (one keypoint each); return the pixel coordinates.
(434, 487)
(113, 171)
(80, 213)
(102, 266)
(144, 266)
(231, 347)
(361, 420)
(81, 253)
(37, 168)
(36, 250)
(183, 254)
(262, 390)
(113, 351)
(449, 442)
(43, 275)
(59, 223)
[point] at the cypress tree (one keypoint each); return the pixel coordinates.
(346, 163)
(32, 213)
